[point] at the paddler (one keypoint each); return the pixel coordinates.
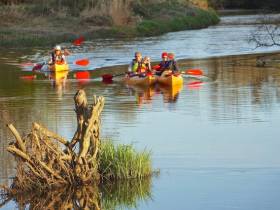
(163, 65)
(135, 66)
(58, 55)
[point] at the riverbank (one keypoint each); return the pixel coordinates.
(22, 27)
(232, 12)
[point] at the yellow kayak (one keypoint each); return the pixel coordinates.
(171, 80)
(59, 67)
(141, 81)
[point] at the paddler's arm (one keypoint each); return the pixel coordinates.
(66, 52)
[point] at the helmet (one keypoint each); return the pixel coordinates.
(171, 55)
(57, 47)
(164, 54)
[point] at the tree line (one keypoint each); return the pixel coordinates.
(245, 4)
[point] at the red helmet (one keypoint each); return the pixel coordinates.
(164, 54)
(171, 56)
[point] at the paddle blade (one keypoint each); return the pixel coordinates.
(27, 64)
(37, 67)
(82, 62)
(156, 67)
(194, 72)
(28, 77)
(82, 75)
(79, 41)
(107, 77)
(195, 85)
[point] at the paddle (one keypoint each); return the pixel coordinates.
(79, 41)
(109, 77)
(38, 66)
(27, 64)
(196, 72)
(195, 85)
(82, 75)
(28, 77)
(156, 67)
(82, 62)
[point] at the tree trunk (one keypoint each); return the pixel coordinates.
(46, 159)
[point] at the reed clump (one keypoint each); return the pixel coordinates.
(117, 162)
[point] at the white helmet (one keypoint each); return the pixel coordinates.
(57, 47)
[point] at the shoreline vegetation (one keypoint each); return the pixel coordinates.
(45, 23)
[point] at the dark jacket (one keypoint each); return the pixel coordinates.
(164, 65)
(173, 66)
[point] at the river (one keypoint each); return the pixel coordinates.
(215, 140)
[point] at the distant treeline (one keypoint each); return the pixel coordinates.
(245, 4)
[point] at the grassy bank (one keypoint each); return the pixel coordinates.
(29, 25)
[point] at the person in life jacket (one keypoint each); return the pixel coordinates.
(146, 66)
(58, 55)
(163, 65)
(135, 66)
(172, 63)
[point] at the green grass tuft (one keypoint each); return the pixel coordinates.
(118, 162)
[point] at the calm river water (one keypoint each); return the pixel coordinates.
(215, 140)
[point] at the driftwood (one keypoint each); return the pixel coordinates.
(45, 159)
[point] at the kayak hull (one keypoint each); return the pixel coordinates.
(59, 67)
(170, 80)
(140, 81)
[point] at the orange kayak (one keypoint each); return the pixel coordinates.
(141, 81)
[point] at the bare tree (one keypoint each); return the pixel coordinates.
(267, 33)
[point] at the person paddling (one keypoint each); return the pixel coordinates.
(58, 56)
(172, 63)
(163, 65)
(135, 66)
(146, 66)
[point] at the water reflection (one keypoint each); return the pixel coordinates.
(143, 95)
(109, 196)
(58, 78)
(171, 94)
(228, 120)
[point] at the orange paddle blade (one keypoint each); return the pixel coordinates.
(194, 72)
(156, 67)
(28, 77)
(82, 75)
(79, 41)
(82, 62)
(195, 85)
